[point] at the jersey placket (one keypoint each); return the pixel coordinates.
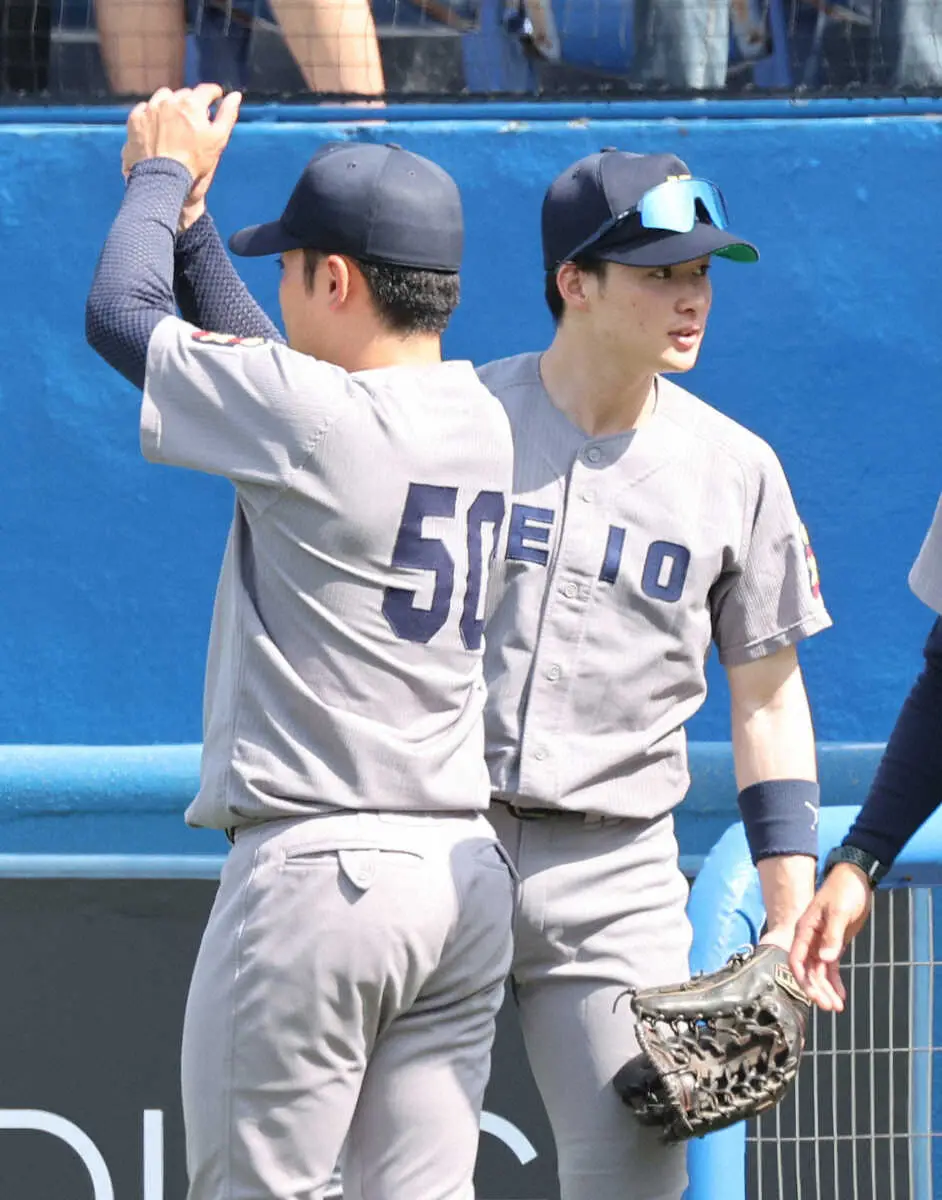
(574, 571)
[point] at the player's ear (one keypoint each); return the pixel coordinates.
(571, 283)
(337, 271)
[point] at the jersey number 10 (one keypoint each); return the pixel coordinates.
(414, 550)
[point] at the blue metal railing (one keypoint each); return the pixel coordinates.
(726, 912)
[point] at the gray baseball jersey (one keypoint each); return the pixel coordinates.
(345, 658)
(626, 556)
(926, 576)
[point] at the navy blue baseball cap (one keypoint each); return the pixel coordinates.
(644, 210)
(371, 201)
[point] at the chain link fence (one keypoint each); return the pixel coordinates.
(71, 51)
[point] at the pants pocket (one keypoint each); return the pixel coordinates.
(360, 865)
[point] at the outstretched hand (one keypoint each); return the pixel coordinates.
(833, 919)
(178, 125)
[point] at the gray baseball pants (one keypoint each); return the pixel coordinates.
(346, 988)
(601, 907)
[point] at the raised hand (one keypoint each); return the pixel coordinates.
(178, 125)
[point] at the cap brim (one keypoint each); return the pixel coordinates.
(670, 249)
(256, 240)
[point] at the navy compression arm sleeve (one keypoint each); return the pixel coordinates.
(133, 286)
(907, 788)
(208, 288)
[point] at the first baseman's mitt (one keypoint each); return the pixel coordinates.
(717, 1049)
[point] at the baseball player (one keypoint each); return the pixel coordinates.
(353, 963)
(906, 790)
(645, 526)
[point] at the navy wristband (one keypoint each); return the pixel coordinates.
(781, 817)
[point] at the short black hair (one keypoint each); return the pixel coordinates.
(408, 300)
(554, 301)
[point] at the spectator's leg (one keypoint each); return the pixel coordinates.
(334, 44)
(911, 42)
(142, 44)
(682, 44)
(698, 30)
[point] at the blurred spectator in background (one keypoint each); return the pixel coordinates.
(591, 48)
(911, 33)
(905, 42)
(606, 46)
(25, 26)
(143, 42)
(598, 47)
(681, 44)
(334, 44)
(891, 45)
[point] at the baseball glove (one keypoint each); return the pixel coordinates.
(717, 1049)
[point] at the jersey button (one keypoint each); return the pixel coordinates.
(540, 754)
(571, 591)
(594, 454)
(588, 495)
(554, 672)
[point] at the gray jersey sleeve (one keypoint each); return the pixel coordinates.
(771, 597)
(244, 408)
(926, 576)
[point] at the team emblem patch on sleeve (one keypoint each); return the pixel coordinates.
(812, 564)
(208, 338)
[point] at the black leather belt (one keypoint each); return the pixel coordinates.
(533, 814)
(524, 813)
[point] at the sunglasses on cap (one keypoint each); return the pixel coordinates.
(671, 207)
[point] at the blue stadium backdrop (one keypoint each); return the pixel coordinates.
(828, 348)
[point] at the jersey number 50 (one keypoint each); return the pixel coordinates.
(422, 553)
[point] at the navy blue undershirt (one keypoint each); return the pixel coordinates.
(208, 289)
(145, 270)
(132, 290)
(907, 788)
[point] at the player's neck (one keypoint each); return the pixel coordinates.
(388, 350)
(597, 395)
(372, 350)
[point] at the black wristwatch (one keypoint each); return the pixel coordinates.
(871, 867)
